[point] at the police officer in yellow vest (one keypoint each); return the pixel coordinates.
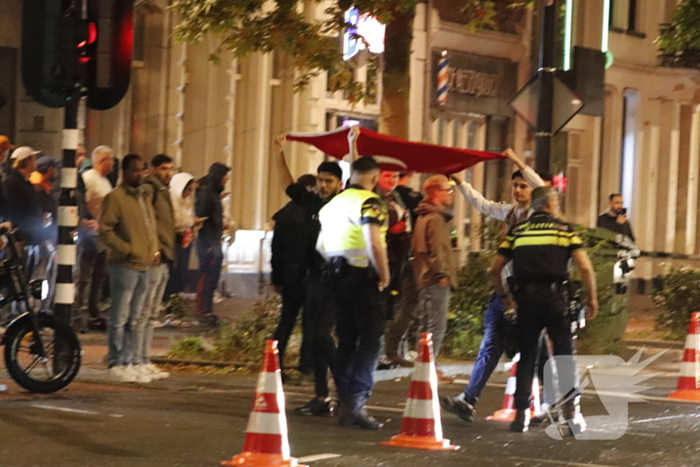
(353, 242)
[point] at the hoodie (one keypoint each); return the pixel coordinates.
(159, 195)
(183, 209)
(432, 247)
(208, 205)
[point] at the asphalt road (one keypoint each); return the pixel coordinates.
(199, 420)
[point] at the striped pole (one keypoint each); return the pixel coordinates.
(443, 78)
(421, 427)
(266, 443)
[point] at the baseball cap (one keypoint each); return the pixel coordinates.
(23, 152)
(45, 163)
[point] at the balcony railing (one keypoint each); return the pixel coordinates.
(686, 57)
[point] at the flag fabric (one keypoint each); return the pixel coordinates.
(395, 153)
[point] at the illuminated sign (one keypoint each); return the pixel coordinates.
(366, 26)
(473, 82)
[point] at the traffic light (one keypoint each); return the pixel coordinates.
(62, 50)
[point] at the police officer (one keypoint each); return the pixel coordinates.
(540, 250)
(353, 241)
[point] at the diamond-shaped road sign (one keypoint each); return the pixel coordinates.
(566, 103)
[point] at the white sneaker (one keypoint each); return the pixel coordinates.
(140, 375)
(120, 374)
(156, 373)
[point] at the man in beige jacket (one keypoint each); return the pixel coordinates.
(434, 263)
(128, 228)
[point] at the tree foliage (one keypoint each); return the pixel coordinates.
(684, 33)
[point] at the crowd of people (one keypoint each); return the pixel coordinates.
(376, 259)
(141, 228)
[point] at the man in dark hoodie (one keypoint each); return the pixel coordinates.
(208, 206)
(434, 264)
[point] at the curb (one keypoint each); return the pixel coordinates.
(654, 344)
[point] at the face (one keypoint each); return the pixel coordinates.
(164, 172)
(444, 194)
(134, 173)
(522, 192)
(328, 185)
(51, 174)
(31, 163)
(105, 165)
(388, 180)
(375, 178)
(616, 204)
(187, 192)
(224, 180)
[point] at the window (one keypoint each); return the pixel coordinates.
(623, 15)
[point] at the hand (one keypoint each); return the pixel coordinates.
(456, 178)
(621, 219)
(91, 224)
(509, 303)
(383, 283)
(510, 154)
(157, 258)
(279, 141)
(591, 308)
(444, 282)
(199, 220)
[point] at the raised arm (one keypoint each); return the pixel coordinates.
(486, 207)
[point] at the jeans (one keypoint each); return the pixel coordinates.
(158, 279)
(433, 301)
(210, 261)
(293, 296)
(128, 288)
(539, 307)
(490, 351)
(91, 272)
(178, 271)
(405, 315)
(360, 325)
(319, 317)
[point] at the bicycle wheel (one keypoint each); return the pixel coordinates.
(62, 355)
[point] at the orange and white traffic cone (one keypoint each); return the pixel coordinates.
(689, 380)
(421, 427)
(507, 410)
(266, 443)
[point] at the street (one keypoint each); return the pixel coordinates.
(199, 420)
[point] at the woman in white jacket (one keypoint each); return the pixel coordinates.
(182, 196)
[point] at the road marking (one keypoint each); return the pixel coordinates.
(572, 464)
(666, 418)
(69, 410)
(385, 409)
(318, 457)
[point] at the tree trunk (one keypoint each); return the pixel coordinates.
(396, 79)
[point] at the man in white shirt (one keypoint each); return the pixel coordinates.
(93, 254)
(523, 181)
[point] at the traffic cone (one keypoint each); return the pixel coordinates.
(266, 443)
(689, 380)
(421, 427)
(507, 411)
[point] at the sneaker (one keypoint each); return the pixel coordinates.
(120, 374)
(458, 406)
(218, 298)
(521, 422)
(155, 372)
(362, 418)
(316, 407)
(140, 374)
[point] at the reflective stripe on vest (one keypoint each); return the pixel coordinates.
(341, 228)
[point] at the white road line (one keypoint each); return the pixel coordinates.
(646, 420)
(69, 410)
(572, 464)
(318, 457)
(385, 409)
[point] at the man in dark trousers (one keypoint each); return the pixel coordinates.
(208, 206)
(290, 262)
(615, 218)
(540, 250)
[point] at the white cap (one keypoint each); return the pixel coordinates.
(23, 152)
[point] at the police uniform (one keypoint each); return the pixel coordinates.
(360, 321)
(540, 250)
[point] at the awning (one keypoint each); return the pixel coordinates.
(394, 153)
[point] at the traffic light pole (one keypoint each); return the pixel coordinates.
(545, 108)
(68, 205)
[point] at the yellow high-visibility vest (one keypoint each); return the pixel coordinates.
(341, 226)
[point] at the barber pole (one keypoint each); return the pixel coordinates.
(443, 78)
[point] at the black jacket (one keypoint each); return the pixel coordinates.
(311, 204)
(291, 243)
(24, 208)
(208, 204)
(606, 221)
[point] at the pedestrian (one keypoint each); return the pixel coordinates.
(43, 179)
(6, 148)
(493, 343)
(320, 307)
(615, 218)
(353, 241)
(434, 263)
(208, 206)
(92, 251)
(410, 197)
(540, 250)
(182, 197)
(290, 263)
(155, 186)
(128, 229)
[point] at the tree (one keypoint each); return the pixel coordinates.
(683, 34)
(283, 26)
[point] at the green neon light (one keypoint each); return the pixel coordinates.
(568, 33)
(606, 26)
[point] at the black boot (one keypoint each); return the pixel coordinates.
(521, 422)
(573, 421)
(352, 412)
